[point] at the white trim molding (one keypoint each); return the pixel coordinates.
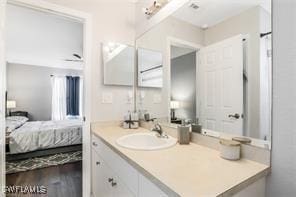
(2, 96)
(86, 19)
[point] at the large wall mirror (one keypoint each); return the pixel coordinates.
(118, 61)
(216, 68)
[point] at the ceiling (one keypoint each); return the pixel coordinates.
(212, 12)
(43, 39)
(179, 51)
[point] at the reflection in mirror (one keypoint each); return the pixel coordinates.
(183, 84)
(216, 68)
(149, 68)
(118, 62)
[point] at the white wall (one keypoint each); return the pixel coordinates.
(156, 39)
(23, 81)
(38, 38)
(282, 181)
(113, 20)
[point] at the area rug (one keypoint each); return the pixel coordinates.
(42, 162)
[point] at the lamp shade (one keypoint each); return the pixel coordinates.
(11, 104)
(175, 104)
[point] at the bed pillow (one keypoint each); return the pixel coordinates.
(14, 122)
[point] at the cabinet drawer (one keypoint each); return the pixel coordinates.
(126, 173)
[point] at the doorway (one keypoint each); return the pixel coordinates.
(84, 57)
(183, 73)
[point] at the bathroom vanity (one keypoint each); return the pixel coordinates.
(181, 170)
(203, 63)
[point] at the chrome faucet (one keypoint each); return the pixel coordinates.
(157, 128)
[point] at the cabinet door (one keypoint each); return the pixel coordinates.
(100, 185)
(104, 181)
(148, 189)
(120, 167)
(120, 189)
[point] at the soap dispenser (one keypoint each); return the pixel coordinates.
(183, 133)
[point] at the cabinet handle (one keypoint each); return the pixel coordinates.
(236, 116)
(113, 184)
(110, 180)
(98, 163)
(95, 144)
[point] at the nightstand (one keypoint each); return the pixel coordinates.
(176, 121)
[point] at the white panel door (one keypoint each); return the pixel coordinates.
(222, 86)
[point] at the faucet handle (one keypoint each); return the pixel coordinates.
(160, 133)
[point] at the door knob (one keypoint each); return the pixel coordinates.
(236, 116)
(110, 180)
(113, 184)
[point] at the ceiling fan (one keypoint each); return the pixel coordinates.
(79, 58)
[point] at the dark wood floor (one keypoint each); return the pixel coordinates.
(61, 181)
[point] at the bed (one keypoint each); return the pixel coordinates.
(31, 136)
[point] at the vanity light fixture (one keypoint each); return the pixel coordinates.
(205, 26)
(194, 5)
(111, 46)
(155, 7)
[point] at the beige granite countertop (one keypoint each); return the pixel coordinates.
(186, 170)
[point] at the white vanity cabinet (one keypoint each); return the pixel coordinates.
(105, 182)
(113, 176)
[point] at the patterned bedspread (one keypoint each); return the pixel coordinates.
(38, 135)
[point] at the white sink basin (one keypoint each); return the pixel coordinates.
(145, 141)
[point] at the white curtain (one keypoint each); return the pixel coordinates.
(59, 107)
